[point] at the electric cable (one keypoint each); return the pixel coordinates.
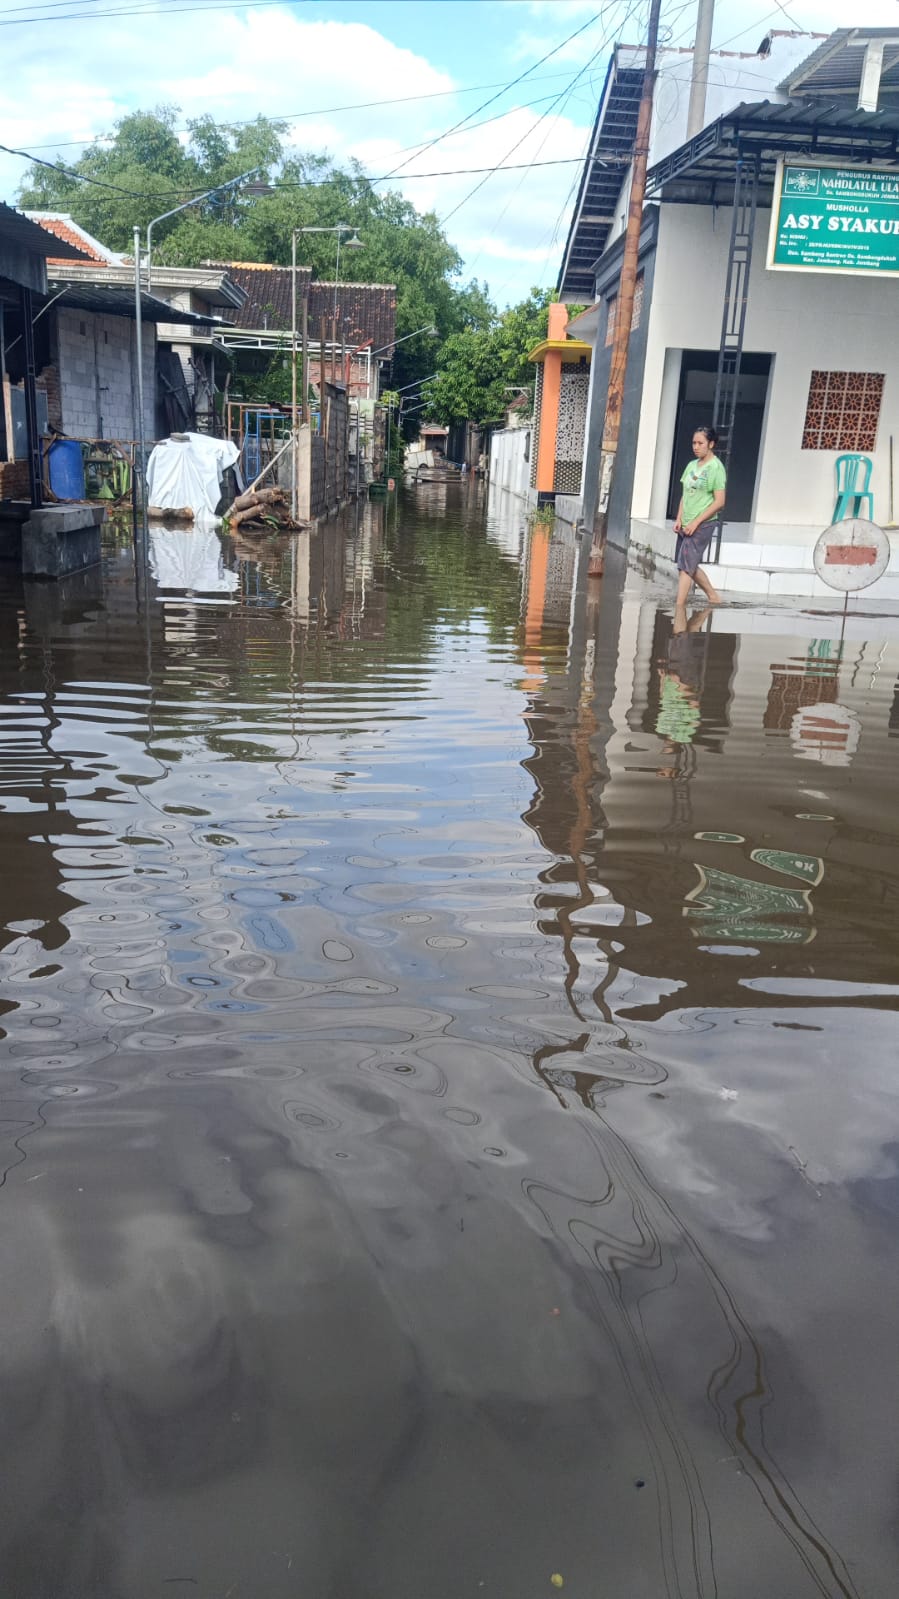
(500, 164)
(320, 111)
(515, 81)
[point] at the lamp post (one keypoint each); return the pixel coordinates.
(220, 188)
(355, 243)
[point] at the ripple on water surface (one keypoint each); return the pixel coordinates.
(447, 1078)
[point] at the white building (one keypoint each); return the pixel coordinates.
(816, 350)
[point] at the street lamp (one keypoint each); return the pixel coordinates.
(428, 329)
(220, 188)
(340, 228)
(355, 243)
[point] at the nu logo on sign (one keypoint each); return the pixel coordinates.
(801, 180)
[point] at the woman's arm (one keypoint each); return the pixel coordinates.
(679, 519)
(707, 515)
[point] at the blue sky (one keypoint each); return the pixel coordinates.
(68, 77)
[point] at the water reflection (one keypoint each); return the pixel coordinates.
(421, 1124)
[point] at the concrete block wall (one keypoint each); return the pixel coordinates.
(97, 376)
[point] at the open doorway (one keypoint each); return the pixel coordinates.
(695, 399)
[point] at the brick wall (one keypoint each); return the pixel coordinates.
(14, 480)
(97, 351)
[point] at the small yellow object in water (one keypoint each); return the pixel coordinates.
(556, 1580)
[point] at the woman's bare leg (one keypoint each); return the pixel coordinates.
(711, 594)
(684, 585)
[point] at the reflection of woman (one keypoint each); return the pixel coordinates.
(680, 682)
(704, 482)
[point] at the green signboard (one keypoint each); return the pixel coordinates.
(835, 219)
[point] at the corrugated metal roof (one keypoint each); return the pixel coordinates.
(17, 228)
(836, 66)
(809, 128)
(611, 148)
(110, 299)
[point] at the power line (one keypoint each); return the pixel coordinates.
(478, 109)
(563, 96)
(323, 111)
(298, 183)
(140, 11)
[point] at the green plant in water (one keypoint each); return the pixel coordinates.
(543, 516)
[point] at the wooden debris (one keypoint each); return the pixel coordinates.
(158, 513)
(266, 508)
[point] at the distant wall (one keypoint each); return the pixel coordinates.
(97, 377)
(510, 451)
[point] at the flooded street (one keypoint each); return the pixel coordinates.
(449, 1121)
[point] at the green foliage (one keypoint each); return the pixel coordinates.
(158, 170)
(480, 368)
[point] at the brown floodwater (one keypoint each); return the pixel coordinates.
(450, 1115)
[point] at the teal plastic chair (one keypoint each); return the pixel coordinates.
(853, 477)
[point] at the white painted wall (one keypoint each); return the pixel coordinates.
(508, 468)
(839, 323)
(103, 353)
(732, 80)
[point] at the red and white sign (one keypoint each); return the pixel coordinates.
(852, 554)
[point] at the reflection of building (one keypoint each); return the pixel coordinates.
(811, 679)
(619, 890)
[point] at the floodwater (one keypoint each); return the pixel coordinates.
(450, 1119)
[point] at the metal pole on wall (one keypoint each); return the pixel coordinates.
(699, 81)
(293, 371)
(304, 404)
(625, 302)
(140, 464)
(323, 400)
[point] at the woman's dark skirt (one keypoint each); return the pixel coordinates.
(691, 547)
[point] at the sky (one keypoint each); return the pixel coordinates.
(71, 68)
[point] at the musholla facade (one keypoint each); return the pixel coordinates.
(766, 295)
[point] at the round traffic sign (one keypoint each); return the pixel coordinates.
(852, 555)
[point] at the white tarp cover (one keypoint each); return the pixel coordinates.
(190, 559)
(187, 471)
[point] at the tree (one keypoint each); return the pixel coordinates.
(480, 368)
(147, 169)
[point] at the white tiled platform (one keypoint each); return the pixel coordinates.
(762, 561)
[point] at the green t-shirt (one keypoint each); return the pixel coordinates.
(701, 481)
(679, 715)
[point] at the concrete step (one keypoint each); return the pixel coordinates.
(795, 583)
(781, 557)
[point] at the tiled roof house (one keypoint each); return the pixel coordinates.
(61, 225)
(366, 312)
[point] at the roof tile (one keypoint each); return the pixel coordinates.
(366, 312)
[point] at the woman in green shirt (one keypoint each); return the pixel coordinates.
(704, 482)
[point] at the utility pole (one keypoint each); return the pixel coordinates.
(294, 472)
(624, 306)
(699, 81)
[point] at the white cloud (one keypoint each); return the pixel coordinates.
(76, 83)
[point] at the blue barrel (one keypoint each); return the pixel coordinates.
(66, 465)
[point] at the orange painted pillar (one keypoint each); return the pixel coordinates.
(549, 401)
(549, 420)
